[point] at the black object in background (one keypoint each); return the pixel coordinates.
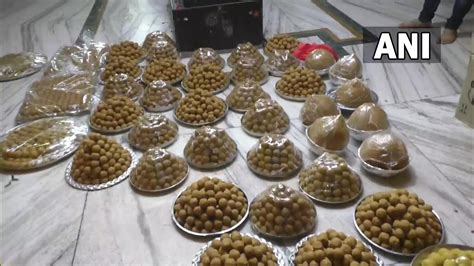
(219, 24)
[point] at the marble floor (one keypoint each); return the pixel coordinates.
(43, 221)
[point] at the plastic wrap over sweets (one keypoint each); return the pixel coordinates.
(115, 115)
(160, 96)
(153, 37)
(162, 49)
(275, 156)
(39, 143)
(317, 106)
(122, 84)
(368, 117)
(210, 147)
(244, 96)
(353, 93)
(151, 131)
(265, 116)
(72, 59)
(347, 67)
(245, 50)
(15, 66)
(249, 68)
(158, 170)
(329, 132)
(314, 51)
(330, 179)
(63, 94)
(320, 60)
(205, 56)
(281, 61)
(384, 151)
(282, 212)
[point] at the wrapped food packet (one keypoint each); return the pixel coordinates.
(368, 117)
(244, 96)
(209, 148)
(121, 65)
(329, 132)
(205, 56)
(39, 143)
(297, 83)
(115, 115)
(156, 36)
(62, 94)
(249, 68)
(162, 49)
(158, 170)
(282, 212)
(122, 84)
(317, 106)
(353, 93)
(275, 156)
(190, 109)
(153, 131)
(347, 67)
(245, 50)
(320, 60)
(281, 42)
(168, 70)
(265, 116)
(72, 59)
(160, 96)
(18, 65)
(208, 77)
(330, 179)
(281, 61)
(384, 151)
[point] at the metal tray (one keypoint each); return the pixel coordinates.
(160, 190)
(56, 155)
(223, 88)
(294, 251)
(276, 251)
(425, 252)
(334, 202)
(226, 107)
(385, 249)
(37, 63)
(70, 180)
(108, 132)
(215, 233)
(332, 94)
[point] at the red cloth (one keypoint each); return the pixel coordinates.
(304, 49)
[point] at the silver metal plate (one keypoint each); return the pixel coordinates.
(80, 130)
(300, 244)
(215, 233)
(109, 132)
(70, 180)
(380, 171)
(281, 260)
(385, 249)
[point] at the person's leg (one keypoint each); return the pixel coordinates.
(460, 9)
(425, 17)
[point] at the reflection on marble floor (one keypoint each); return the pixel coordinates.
(41, 215)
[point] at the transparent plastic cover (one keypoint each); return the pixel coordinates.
(281, 61)
(329, 132)
(353, 93)
(300, 82)
(347, 67)
(369, 117)
(122, 84)
(245, 94)
(319, 59)
(384, 151)
(317, 106)
(205, 56)
(280, 211)
(160, 96)
(115, 114)
(245, 50)
(249, 68)
(265, 116)
(152, 131)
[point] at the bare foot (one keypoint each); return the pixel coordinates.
(448, 36)
(415, 24)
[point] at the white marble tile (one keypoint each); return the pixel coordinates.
(431, 126)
